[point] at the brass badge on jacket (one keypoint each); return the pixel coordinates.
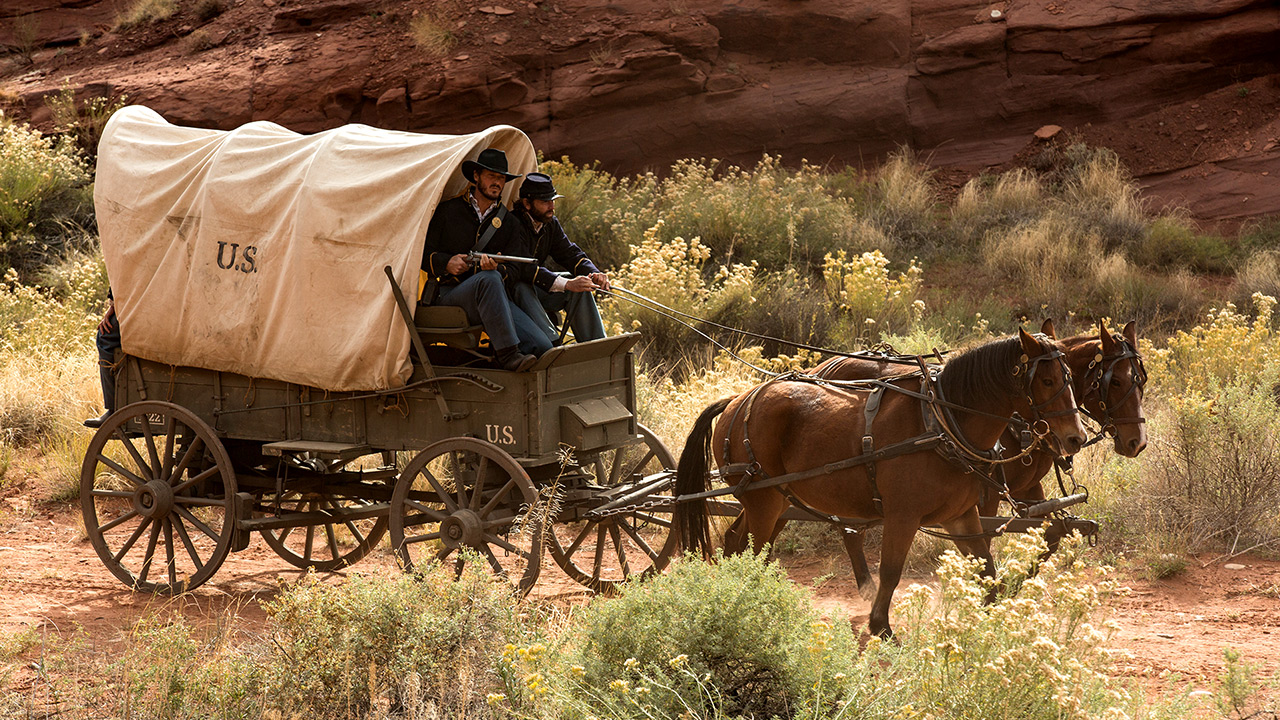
(497, 222)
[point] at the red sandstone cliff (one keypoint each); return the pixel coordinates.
(1187, 91)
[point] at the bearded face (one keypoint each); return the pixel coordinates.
(542, 211)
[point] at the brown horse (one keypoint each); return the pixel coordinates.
(795, 426)
(1107, 378)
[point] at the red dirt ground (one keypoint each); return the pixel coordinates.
(51, 579)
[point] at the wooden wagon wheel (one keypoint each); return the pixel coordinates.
(325, 546)
(601, 553)
(463, 493)
(161, 511)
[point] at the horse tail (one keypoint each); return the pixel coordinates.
(690, 517)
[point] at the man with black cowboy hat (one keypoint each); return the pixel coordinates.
(476, 221)
(539, 290)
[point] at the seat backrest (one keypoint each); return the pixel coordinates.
(446, 325)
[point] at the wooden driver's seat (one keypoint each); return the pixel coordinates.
(447, 326)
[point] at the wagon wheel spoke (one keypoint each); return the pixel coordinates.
(151, 552)
(167, 463)
(480, 476)
(172, 562)
(151, 448)
(497, 499)
(422, 538)
(167, 483)
(196, 479)
(137, 533)
(494, 562)
(598, 563)
(635, 537)
(148, 471)
(186, 542)
(112, 493)
(350, 525)
(443, 554)
(186, 515)
(502, 543)
(459, 482)
(432, 513)
(440, 491)
(630, 532)
(309, 546)
(577, 542)
(104, 529)
(332, 538)
(120, 469)
(187, 456)
(621, 550)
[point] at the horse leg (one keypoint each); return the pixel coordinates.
(898, 534)
(978, 547)
(858, 559)
(762, 519)
(735, 538)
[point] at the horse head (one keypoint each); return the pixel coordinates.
(1047, 394)
(1111, 389)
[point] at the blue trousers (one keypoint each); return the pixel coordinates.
(584, 316)
(108, 342)
(484, 298)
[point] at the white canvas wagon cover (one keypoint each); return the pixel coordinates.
(261, 251)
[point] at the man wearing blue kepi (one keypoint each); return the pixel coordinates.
(540, 290)
(476, 221)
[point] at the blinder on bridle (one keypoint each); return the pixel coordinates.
(1099, 375)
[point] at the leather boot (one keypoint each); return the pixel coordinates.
(515, 361)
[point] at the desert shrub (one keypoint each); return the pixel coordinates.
(1050, 261)
(1214, 480)
(1100, 196)
(82, 121)
(206, 10)
(1260, 234)
(599, 210)
(433, 32)
(1259, 273)
(145, 12)
(343, 650)
(987, 203)
(1169, 242)
(735, 637)
(869, 298)
(1228, 347)
(903, 206)
(48, 367)
(1037, 653)
(45, 198)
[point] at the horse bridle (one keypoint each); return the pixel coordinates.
(1098, 378)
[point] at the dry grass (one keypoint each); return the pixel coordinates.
(145, 12)
(433, 33)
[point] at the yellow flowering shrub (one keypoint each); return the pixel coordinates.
(43, 190)
(1227, 347)
(1038, 653)
(870, 296)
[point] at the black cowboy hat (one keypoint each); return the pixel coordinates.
(537, 186)
(490, 159)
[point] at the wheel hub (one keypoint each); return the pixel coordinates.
(463, 528)
(153, 500)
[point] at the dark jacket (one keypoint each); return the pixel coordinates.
(455, 229)
(549, 242)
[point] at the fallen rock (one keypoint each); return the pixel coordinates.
(1233, 566)
(1048, 132)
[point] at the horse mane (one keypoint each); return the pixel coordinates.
(982, 372)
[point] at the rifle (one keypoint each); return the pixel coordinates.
(474, 258)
